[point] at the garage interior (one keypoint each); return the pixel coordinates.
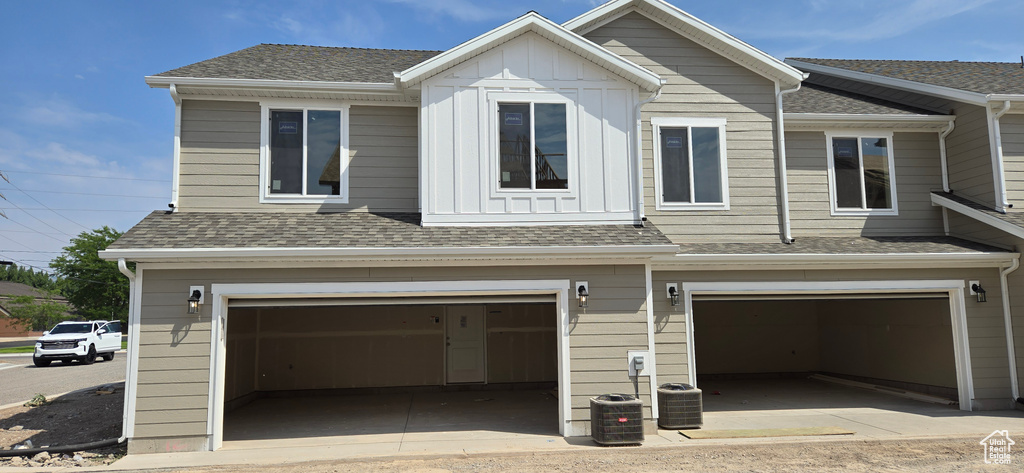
(772, 353)
(327, 368)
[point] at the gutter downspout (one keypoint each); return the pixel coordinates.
(638, 142)
(1008, 321)
(997, 156)
(787, 232)
(942, 154)
(177, 147)
(123, 267)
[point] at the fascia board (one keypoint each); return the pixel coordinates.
(930, 122)
(978, 215)
(165, 82)
(782, 69)
(973, 98)
(518, 251)
(529, 22)
(989, 259)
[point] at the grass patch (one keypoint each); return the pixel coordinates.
(32, 348)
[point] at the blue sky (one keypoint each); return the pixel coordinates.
(86, 143)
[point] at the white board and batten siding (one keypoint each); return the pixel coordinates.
(220, 159)
(704, 84)
(918, 173)
(459, 150)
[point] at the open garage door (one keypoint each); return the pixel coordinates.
(299, 368)
(901, 345)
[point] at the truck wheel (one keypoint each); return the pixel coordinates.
(41, 362)
(108, 356)
(90, 357)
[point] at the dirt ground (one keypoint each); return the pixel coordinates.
(75, 418)
(946, 455)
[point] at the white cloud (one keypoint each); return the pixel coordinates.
(59, 112)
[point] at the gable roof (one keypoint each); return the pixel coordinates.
(972, 82)
(15, 289)
(815, 98)
(532, 22)
(297, 63)
(363, 234)
(694, 29)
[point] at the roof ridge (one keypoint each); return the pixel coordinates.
(901, 60)
(349, 47)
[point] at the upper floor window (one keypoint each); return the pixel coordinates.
(690, 163)
(861, 174)
(304, 154)
(533, 147)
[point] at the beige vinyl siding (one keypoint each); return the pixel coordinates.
(918, 172)
(702, 83)
(175, 346)
(968, 155)
(1011, 131)
(986, 335)
(220, 159)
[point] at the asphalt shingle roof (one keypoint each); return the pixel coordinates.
(846, 245)
(183, 230)
(979, 77)
(814, 98)
(306, 63)
(15, 289)
(1014, 218)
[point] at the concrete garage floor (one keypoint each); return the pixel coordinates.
(402, 419)
(274, 431)
(788, 403)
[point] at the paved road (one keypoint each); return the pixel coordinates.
(20, 379)
(18, 343)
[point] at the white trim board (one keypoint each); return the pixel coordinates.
(954, 288)
(978, 215)
(222, 293)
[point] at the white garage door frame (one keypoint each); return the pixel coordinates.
(953, 288)
(222, 294)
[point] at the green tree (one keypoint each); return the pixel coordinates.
(37, 313)
(27, 276)
(96, 288)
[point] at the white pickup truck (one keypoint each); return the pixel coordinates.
(83, 341)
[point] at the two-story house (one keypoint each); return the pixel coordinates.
(538, 205)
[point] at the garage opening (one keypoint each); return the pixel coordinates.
(331, 367)
(795, 352)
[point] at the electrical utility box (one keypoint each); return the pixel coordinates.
(639, 363)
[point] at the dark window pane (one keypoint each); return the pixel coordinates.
(285, 152)
(846, 164)
(675, 166)
(514, 145)
(707, 173)
(876, 173)
(323, 147)
(552, 148)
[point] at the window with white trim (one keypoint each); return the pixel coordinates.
(861, 174)
(533, 145)
(304, 154)
(690, 163)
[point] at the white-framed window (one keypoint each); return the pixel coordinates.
(534, 149)
(690, 163)
(861, 173)
(304, 153)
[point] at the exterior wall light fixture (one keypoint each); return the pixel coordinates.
(582, 293)
(195, 299)
(673, 293)
(979, 291)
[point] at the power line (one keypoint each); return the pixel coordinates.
(45, 270)
(26, 209)
(47, 191)
(2, 230)
(48, 235)
(90, 177)
(33, 216)
(47, 207)
(30, 251)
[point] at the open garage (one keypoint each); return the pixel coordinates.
(327, 368)
(791, 352)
